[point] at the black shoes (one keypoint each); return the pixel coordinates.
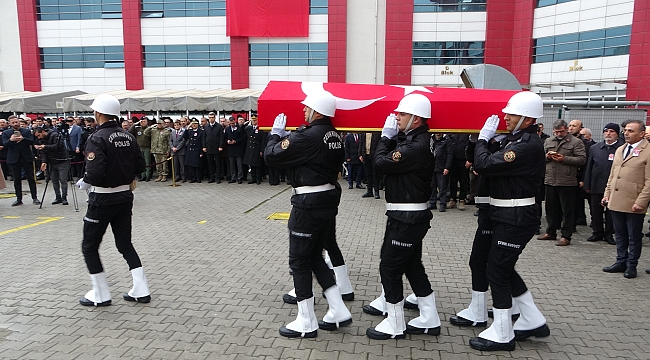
(359, 186)
(616, 268)
(210, 181)
(514, 317)
(630, 273)
(36, 202)
(370, 310)
(192, 181)
(251, 181)
(144, 299)
(231, 181)
(378, 335)
(421, 331)
(610, 240)
(65, 201)
(85, 302)
(238, 181)
(593, 238)
(350, 187)
(647, 271)
(461, 321)
(523, 335)
(332, 326)
(481, 344)
(366, 195)
(294, 334)
(346, 297)
(57, 201)
(289, 299)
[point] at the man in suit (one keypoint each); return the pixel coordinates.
(627, 195)
(4, 125)
(20, 157)
(597, 168)
(177, 144)
(367, 147)
(213, 134)
(352, 157)
(235, 140)
(253, 156)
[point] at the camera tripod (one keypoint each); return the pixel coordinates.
(65, 137)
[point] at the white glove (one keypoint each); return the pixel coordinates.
(83, 185)
(390, 128)
(489, 129)
(279, 125)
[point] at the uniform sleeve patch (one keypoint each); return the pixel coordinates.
(284, 144)
(509, 156)
(90, 156)
(397, 156)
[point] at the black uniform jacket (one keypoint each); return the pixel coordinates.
(254, 146)
(113, 158)
(54, 150)
(194, 143)
(598, 166)
(516, 171)
(443, 154)
(313, 156)
(408, 166)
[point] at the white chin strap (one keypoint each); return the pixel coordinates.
(311, 115)
(408, 126)
(521, 119)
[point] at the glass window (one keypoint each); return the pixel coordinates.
(448, 52)
(183, 8)
(317, 7)
(424, 6)
(542, 3)
(295, 54)
(78, 9)
(590, 44)
(194, 55)
(74, 57)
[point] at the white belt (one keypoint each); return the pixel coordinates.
(406, 207)
(481, 199)
(312, 189)
(512, 202)
(104, 190)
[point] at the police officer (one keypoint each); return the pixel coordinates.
(403, 155)
(313, 155)
(113, 159)
(515, 173)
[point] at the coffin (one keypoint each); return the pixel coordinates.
(364, 107)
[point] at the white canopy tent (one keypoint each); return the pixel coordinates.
(172, 100)
(34, 102)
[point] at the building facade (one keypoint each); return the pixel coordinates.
(570, 48)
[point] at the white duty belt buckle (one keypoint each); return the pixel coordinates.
(481, 199)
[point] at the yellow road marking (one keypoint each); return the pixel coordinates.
(278, 216)
(11, 217)
(203, 222)
(47, 220)
(7, 196)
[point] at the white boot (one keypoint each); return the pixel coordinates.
(514, 310)
(343, 282)
(338, 314)
(100, 295)
(393, 326)
(531, 322)
(429, 321)
(305, 324)
(411, 302)
(499, 336)
(328, 261)
(140, 291)
(377, 306)
(476, 313)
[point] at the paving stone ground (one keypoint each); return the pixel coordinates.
(217, 269)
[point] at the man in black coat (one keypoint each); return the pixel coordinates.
(253, 156)
(597, 168)
(367, 147)
(18, 142)
(444, 156)
(213, 133)
(235, 142)
(353, 159)
(195, 142)
(458, 173)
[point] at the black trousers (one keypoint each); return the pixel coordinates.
(458, 173)
(308, 236)
(236, 168)
(478, 259)
(628, 228)
(224, 171)
(372, 178)
(579, 208)
(508, 242)
(439, 189)
(16, 169)
(601, 227)
(560, 204)
(214, 166)
(256, 174)
(193, 173)
(332, 247)
(97, 219)
(274, 175)
(401, 253)
(355, 173)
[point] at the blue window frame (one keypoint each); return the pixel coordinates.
(300, 54)
(448, 52)
(542, 3)
(76, 57)
(425, 6)
(217, 55)
(584, 45)
(78, 9)
(317, 7)
(182, 8)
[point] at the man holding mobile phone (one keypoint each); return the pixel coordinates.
(20, 158)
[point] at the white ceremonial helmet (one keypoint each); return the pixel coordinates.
(106, 104)
(526, 104)
(415, 104)
(322, 102)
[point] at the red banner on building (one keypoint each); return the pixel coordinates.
(362, 107)
(267, 18)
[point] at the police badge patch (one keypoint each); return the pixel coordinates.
(90, 156)
(397, 156)
(284, 144)
(509, 156)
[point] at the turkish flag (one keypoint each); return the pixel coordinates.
(267, 18)
(363, 107)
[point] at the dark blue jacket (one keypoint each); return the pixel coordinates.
(599, 165)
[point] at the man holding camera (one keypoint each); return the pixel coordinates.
(55, 159)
